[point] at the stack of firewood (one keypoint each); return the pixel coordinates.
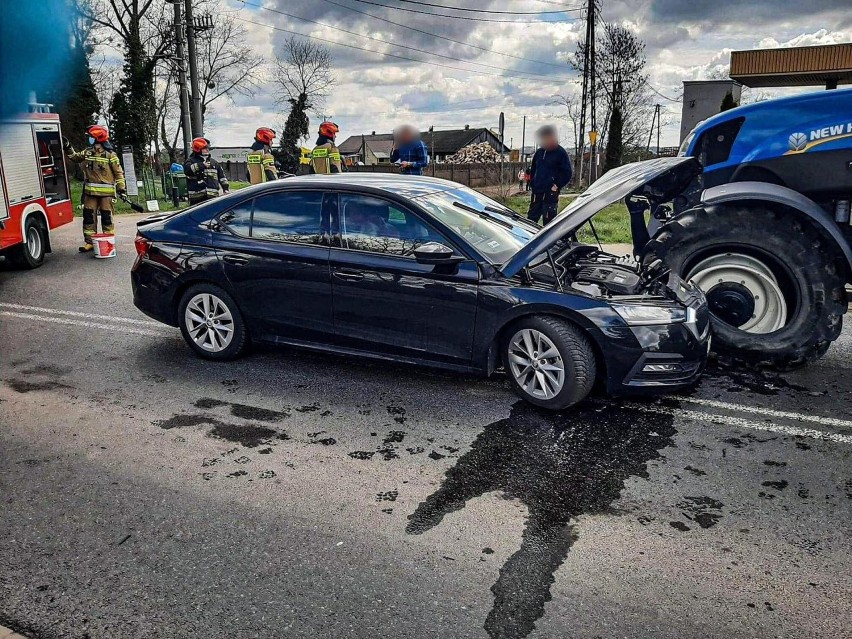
(480, 153)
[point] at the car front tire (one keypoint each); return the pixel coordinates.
(550, 362)
(211, 323)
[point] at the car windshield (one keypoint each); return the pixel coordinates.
(496, 231)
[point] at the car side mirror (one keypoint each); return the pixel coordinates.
(437, 254)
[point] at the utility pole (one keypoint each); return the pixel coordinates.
(593, 129)
(655, 118)
(197, 123)
(588, 98)
(180, 60)
(523, 138)
(659, 106)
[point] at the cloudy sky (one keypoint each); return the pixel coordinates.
(482, 67)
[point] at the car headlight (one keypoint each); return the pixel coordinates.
(647, 314)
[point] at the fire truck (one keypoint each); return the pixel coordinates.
(35, 197)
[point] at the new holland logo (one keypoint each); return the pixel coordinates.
(798, 142)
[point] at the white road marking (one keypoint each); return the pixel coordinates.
(56, 311)
(768, 412)
(75, 322)
(137, 326)
(741, 422)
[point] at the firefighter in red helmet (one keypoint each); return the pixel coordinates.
(204, 175)
(104, 179)
(261, 163)
(325, 158)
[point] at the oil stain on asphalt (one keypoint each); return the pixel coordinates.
(560, 466)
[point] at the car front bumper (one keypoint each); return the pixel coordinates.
(652, 358)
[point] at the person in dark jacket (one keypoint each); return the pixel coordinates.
(204, 176)
(409, 150)
(550, 172)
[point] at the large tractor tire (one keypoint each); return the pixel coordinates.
(774, 285)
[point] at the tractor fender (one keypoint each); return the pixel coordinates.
(766, 192)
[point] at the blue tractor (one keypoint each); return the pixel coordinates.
(764, 228)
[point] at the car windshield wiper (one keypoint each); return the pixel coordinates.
(483, 215)
(510, 213)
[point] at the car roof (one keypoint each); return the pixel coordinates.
(409, 186)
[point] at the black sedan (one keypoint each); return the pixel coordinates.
(421, 270)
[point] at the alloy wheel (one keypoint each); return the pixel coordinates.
(536, 363)
(209, 322)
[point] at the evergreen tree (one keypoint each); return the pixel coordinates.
(728, 102)
(615, 139)
(295, 129)
(76, 100)
(134, 106)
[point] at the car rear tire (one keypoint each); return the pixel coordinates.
(550, 362)
(773, 283)
(30, 252)
(211, 323)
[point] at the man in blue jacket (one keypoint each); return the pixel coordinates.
(550, 172)
(410, 151)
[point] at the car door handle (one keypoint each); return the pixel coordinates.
(235, 259)
(349, 276)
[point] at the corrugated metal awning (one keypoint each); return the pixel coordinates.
(793, 66)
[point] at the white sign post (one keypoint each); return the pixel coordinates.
(129, 171)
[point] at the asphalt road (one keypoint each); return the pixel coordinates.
(146, 493)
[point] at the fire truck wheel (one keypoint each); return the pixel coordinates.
(30, 252)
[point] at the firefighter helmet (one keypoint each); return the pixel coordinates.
(329, 129)
(265, 135)
(98, 133)
(199, 144)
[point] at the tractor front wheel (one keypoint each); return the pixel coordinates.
(773, 284)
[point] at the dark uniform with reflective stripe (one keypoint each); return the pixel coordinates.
(103, 177)
(204, 176)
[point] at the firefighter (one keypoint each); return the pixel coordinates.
(261, 163)
(325, 158)
(104, 179)
(204, 175)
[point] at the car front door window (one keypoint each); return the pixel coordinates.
(377, 226)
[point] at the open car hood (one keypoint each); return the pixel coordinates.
(660, 180)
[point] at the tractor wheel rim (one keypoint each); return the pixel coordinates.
(770, 308)
(536, 364)
(34, 242)
(209, 322)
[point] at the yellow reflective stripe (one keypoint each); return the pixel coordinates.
(107, 189)
(98, 158)
(268, 161)
(114, 159)
(334, 155)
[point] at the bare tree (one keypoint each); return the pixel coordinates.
(621, 78)
(227, 66)
(303, 68)
(571, 103)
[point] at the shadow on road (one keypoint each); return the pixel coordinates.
(560, 466)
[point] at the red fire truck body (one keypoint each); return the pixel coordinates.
(35, 197)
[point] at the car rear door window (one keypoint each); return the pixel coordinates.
(238, 219)
(289, 216)
(378, 226)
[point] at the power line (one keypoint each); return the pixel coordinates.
(452, 17)
(662, 95)
(389, 55)
(435, 35)
(469, 10)
(369, 37)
